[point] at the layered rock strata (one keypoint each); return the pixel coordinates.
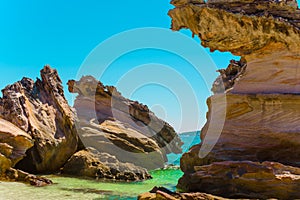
(261, 120)
(41, 110)
(245, 179)
(126, 129)
(160, 193)
(91, 163)
(14, 143)
(40, 132)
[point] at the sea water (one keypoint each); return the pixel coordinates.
(75, 188)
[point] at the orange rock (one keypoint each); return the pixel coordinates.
(126, 129)
(245, 179)
(40, 109)
(262, 98)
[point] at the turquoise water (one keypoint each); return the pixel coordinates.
(189, 140)
(75, 188)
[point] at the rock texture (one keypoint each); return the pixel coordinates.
(229, 76)
(13, 145)
(164, 194)
(40, 109)
(21, 176)
(265, 33)
(36, 119)
(262, 127)
(262, 95)
(245, 179)
(91, 163)
(126, 129)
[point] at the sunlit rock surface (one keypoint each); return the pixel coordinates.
(91, 163)
(245, 179)
(14, 143)
(262, 95)
(126, 129)
(161, 193)
(40, 109)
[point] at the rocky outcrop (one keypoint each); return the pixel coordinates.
(38, 120)
(164, 194)
(229, 76)
(91, 163)
(265, 33)
(245, 179)
(13, 145)
(40, 109)
(21, 176)
(261, 103)
(257, 127)
(126, 129)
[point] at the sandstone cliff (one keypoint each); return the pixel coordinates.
(126, 129)
(262, 90)
(40, 109)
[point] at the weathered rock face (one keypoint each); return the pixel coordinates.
(257, 127)
(12, 174)
(240, 26)
(40, 109)
(245, 180)
(113, 124)
(13, 145)
(229, 76)
(91, 163)
(262, 95)
(265, 33)
(164, 194)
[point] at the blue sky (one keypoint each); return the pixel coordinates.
(63, 33)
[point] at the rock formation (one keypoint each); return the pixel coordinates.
(126, 129)
(91, 163)
(262, 94)
(245, 179)
(40, 109)
(13, 145)
(39, 132)
(12, 174)
(164, 194)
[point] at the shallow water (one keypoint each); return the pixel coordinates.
(75, 188)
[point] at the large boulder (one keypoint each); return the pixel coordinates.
(126, 129)
(91, 163)
(40, 109)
